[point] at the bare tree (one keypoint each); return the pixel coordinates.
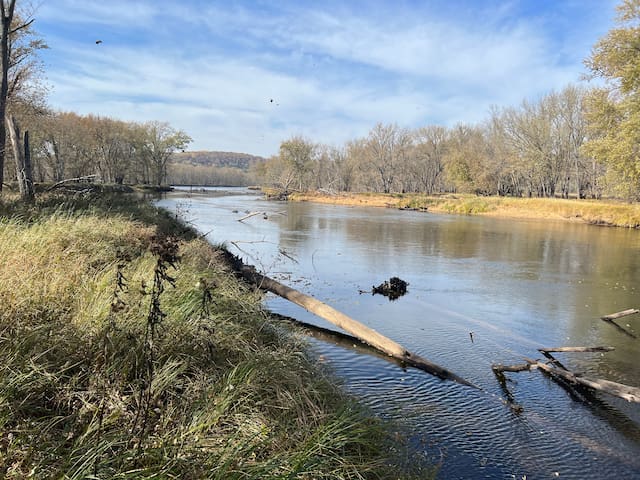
(160, 140)
(6, 10)
(18, 46)
(428, 153)
(387, 149)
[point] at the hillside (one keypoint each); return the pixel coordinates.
(243, 161)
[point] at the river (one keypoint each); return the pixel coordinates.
(481, 291)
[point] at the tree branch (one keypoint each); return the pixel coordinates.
(24, 25)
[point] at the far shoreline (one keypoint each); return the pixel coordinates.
(611, 213)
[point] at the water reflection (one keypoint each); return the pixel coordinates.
(517, 285)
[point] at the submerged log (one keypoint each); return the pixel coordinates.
(362, 332)
(626, 392)
(338, 338)
(610, 319)
(577, 349)
(547, 352)
(552, 359)
(570, 379)
(499, 368)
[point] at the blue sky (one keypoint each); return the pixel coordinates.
(244, 75)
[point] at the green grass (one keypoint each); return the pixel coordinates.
(98, 381)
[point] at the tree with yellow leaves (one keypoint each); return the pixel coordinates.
(613, 111)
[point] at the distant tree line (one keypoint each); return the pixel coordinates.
(68, 145)
(216, 158)
(534, 149)
(212, 168)
(576, 142)
(209, 175)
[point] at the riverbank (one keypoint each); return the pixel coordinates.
(595, 212)
(130, 350)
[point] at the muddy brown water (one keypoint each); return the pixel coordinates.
(515, 285)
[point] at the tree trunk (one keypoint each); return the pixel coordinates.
(6, 11)
(22, 158)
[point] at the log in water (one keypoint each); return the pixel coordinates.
(362, 332)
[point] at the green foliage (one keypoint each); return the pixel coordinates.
(616, 57)
(614, 113)
(297, 155)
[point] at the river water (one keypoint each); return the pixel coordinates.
(481, 291)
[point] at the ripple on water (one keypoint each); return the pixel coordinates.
(512, 285)
(477, 432)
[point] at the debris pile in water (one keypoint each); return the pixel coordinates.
(392, 288)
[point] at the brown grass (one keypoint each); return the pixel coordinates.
(596, 212)
(230, 393)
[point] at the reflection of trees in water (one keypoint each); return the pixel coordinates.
(566, 275)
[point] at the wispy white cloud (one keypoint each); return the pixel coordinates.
(121, 13)
(212, 68)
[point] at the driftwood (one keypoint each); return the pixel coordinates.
(362, 332)
(624, 313)
(577, 349)
(252, 214)
(340, 339)
(499, 368)
(568, 378)
(613, 316)
(631, 394)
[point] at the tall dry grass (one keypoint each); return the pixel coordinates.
(215, 389)
(597, 212)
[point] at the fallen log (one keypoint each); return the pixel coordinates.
(552, 359)
(340, 339)
(547, 352)
(622, 329)
(85, 178)
(252, 214)
(567, 378)
(626, 392)
(364, 333)
(576, 349)
(499, 368)
(624, 313)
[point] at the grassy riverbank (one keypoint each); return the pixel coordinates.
(129, 350)
(597, 212)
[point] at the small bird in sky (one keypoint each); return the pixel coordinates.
(98, 42)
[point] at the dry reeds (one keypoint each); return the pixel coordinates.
(596, 212)
(121, 362)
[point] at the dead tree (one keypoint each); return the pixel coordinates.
(22, 156)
